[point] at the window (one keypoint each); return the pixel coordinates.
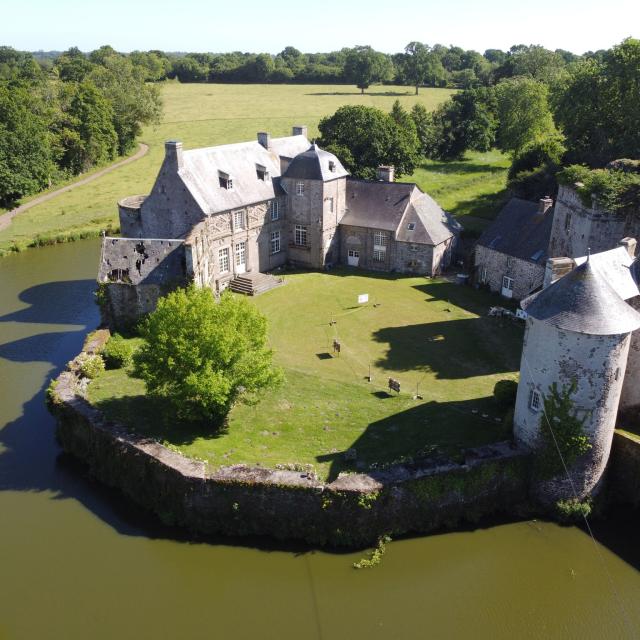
(332, 165)
(330, 205)
(507, 283)
(223, 259)
(299, 188)
(567, 222)
(380, 241)
(274, 210)
(535, 400)
(262, 172)
(484, 275)
(241, 252)
(411, 226)
(225, 180)
(238, 220)
(275, 242)
(300, 235)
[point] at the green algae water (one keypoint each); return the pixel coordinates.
(78, 561)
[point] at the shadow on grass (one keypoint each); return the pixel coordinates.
(358, 93)
(485, 207)
(462, 167)
(435, 431)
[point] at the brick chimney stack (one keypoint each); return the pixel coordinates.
(545, 204)
(173, 154)
(386, 173)
(299, 130)
(264, 139)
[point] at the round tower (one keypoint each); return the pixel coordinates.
(573, 364)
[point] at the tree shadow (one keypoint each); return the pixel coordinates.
(366, 93)
(429, 433)
(462, 166)
(485, 207)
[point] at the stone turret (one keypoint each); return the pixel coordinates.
(578, 332)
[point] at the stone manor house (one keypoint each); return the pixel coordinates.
(226, 215)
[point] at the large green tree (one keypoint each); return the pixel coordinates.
(421, 66)
(365, 138)
(598, 106)
(523, 113)
(204, 356)
(364, 66)
(26, 153)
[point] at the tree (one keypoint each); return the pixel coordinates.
(417, 63)
(365, 138)
(134, 102)
(26, 156)
(364, 66)
(204, 356)
(598, 106)
(523, 113)
(426, 130)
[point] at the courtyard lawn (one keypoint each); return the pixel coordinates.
(431, 335)
(200, 115)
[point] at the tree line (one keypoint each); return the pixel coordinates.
(58, 120)
(546, 117)
(418, 65)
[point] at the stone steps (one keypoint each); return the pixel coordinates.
(254, 283)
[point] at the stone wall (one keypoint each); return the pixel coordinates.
(352, 511)
(630, 398)
(623, 472)
(578, 228)
(527, 275)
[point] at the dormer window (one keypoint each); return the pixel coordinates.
(411, 226)
(332, 165)
(225, 180)
(262, 172)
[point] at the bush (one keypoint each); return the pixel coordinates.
(118, 353)
(204, 356)
(573, 510)
(91, 366)
(504, 393)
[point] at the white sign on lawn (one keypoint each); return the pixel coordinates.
(363, 297)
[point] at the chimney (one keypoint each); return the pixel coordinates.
(299, 130)
(264, 139)
(386, 173)
(173, 154)
(556, 268)
(630, 245)
(544, 205)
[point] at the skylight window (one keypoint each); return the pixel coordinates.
(411, 226)
(262, 172)
(332, 165)
(225, 180)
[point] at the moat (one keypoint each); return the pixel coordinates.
(76, 556)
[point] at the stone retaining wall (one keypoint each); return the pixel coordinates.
(623, 472)
(353, 510)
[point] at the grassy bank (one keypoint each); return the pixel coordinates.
(209, 114)
(428, 334)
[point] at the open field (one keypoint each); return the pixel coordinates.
(429, 334)
(209, 114)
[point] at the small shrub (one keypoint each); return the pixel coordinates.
(375, 557)
(91, 366)
(504, 393)
(118, 353)
(573, 510)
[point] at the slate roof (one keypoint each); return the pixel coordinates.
(431, 224)
(583, 302)
(315, 164)
(520, 231)
(615, 266)
(201, 169)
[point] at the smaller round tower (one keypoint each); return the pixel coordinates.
(576, 342)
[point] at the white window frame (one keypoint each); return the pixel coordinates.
(223, 259)
(507, 283)
(275, 242)
(241, 252)
(379, 255)
(274, 210)
(239, 220)
(484, 275)
(380, 241)
(300, 235)
(535, 400)
(225, 180)
(299, 188)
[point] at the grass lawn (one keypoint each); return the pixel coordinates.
(200, 115)
(428, 333)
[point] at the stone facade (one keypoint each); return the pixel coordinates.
(578, 228)
(492, 266)
(252, 207)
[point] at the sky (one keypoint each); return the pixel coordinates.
(325, 25)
